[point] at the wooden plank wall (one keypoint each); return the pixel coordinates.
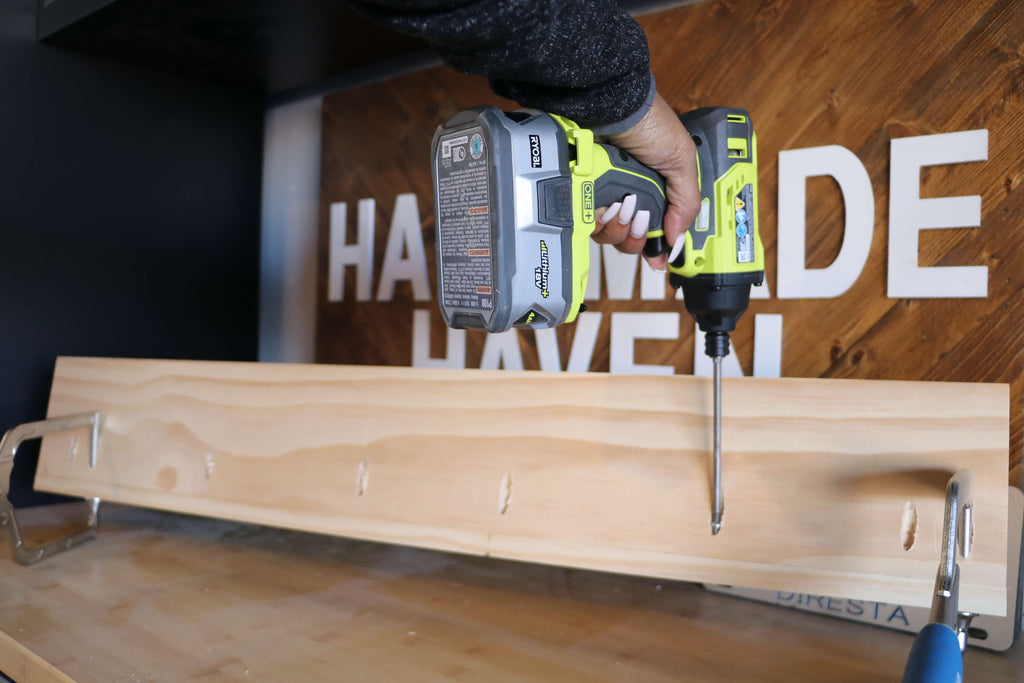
(846, 72)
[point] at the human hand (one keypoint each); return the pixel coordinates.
(661, 142)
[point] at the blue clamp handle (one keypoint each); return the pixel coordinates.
(935, 657)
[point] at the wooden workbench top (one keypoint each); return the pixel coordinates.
(168, 598)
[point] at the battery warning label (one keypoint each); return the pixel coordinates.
(464, 221)
(744, 213)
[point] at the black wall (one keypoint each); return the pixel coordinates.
(129, 217)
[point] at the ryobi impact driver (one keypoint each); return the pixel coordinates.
(515, 197)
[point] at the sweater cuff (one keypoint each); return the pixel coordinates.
(631, 120)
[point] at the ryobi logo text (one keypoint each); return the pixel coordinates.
(540, 273)
(535, 160)
(588, 201)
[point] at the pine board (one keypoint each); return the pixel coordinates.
(604, 472)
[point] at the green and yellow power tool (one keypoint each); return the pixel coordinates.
(515, 201)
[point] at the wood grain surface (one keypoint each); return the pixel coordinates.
(163, 597)
(598, 471)
(846, 72)
(22, 665)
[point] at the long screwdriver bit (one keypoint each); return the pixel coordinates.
(718, 504)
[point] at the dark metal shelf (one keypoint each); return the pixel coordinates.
(277, 47)
(271, 46)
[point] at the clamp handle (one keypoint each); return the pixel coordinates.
(935, 657)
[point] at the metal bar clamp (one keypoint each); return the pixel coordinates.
(937, 653)
(8, 447)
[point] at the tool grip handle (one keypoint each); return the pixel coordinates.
(935, 657)
(627, 176)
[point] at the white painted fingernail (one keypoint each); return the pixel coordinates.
(610, 213)
(652, 267)
(676, 249)
(626, 212)
(638, 228)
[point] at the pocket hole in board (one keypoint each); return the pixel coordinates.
(505, 493)
(908, 525)
(362, 477)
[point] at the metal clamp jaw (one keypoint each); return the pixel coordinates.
(8, 448)
(957, 533)
(937, 653)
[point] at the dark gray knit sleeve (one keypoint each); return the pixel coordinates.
(584, 59)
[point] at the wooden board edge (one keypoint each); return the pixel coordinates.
(24, 666)
(67, 366)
